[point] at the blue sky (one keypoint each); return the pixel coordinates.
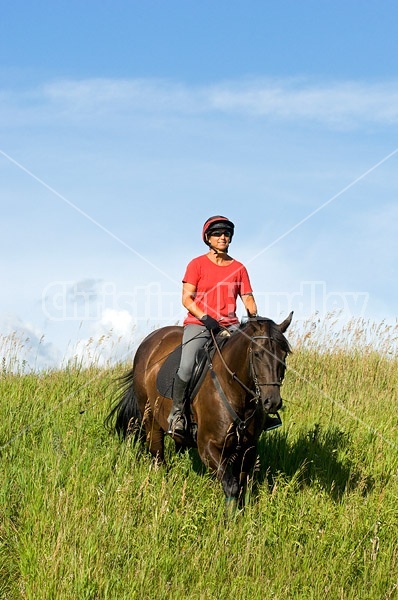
(124, 125)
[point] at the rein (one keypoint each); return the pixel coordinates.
(233, 375)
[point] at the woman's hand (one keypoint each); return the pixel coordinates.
(210, 323)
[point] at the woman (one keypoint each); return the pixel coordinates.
(211, 285)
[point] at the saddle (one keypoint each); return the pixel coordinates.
(167, 372)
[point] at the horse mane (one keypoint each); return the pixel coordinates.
(273, 331)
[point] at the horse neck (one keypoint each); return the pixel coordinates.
(236, 355)
(237, 350)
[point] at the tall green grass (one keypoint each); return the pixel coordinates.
(85, 516)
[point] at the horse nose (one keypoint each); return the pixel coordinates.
(272, 405)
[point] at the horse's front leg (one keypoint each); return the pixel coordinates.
(248, 460)
(236, 476)
(224, 465)
(232, 489)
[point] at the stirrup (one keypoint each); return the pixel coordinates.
(178, 426)
(272, 422)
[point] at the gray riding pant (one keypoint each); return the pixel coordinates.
(194, 338)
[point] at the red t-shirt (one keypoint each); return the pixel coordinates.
(217, 288)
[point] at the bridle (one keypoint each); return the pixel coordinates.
(241, 425)
(257, 384)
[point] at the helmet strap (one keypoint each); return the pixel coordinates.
(216, 251)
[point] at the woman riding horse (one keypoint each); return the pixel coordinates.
(241, 384)
(211, 285)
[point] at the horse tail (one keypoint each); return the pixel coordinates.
(125, 417)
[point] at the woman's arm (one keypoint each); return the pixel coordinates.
(250, 304)
(188, 300)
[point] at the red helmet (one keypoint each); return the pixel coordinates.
(217, 222)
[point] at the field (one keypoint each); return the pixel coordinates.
(84, 516)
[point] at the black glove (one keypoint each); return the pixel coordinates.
(210, 323)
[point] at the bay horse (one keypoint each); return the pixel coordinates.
(240, 388)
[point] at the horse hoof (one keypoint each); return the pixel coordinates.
(231, 508)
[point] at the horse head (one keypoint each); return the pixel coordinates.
(268, 349)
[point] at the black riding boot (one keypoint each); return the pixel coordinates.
(176, 418)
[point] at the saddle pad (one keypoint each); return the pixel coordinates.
(164, 380)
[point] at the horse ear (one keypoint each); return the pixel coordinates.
(285, 324)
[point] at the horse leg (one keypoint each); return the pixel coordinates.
(236, 477)
(247, 463)
(154, 435)
(231, 486)
(227, 472)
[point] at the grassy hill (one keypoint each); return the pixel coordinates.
(85, 516)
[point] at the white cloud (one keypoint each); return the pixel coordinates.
(112, 339)
(118, 321)
(342, 104)
(23, 347)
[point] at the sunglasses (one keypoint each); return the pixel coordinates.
(220, 232)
